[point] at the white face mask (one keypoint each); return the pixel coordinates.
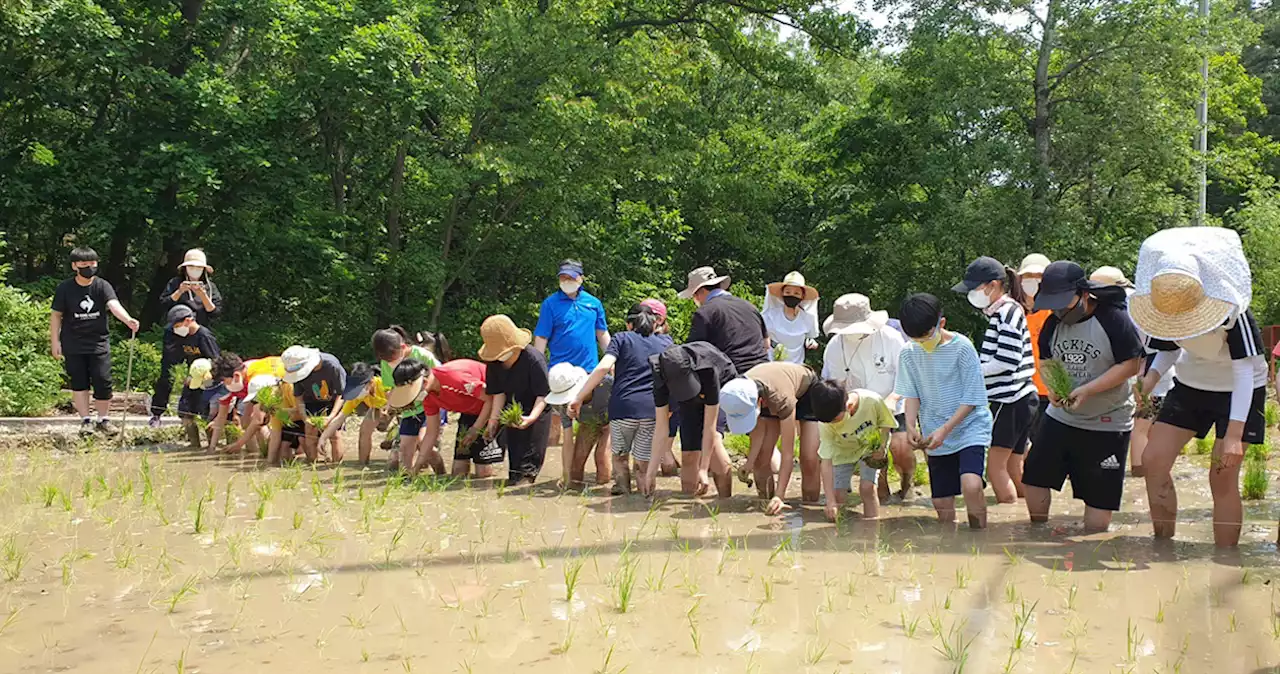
(1206, 346)
(194, 273)
(235, 386)
(978, 298)
(1031, 286)
(181, 330)
(570, 287)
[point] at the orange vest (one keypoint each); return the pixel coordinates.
(1035, 322)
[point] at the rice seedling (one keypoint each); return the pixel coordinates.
(953, 646)
(1021, 621)
(182, 659)
(317, 421)
(626, 585)
(814, 651)
(1159, 611)
(1132, 641)
(572, 570)
(297, 520)
(1272, 412)
(10, 620)
(1257, 452)
(1014, 558)
(963, 575)
(784, 549)
(1204, 446)
(1055, 376)
(198, 524)
(909, 627)
(1010, 593)
(1254, 486)
(512, 414)
(695, 635)
(185, 592)
(1232, 623)
(767, 584)
(49, 494)
(14, 559)
(656, 584)
(148, 486)
(567, 642)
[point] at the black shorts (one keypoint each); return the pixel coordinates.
(89, 369)
(191, 402)
(314, 407)
(804, 409)
(1094, 460)
(411, 426)
(692, 413)
(1041, 408)
(1011, 423)
(292, 433)
(480, 452)
(1197, 410)
(945, 470)
(902, 423)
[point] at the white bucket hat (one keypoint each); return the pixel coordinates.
(195, 258)
(299, 361)
(1190, 280)
(565, 381)
(852, 315)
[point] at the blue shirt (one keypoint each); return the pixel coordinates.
(632, 396)
(944, 380)
(569, 325)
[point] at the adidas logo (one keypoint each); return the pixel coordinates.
(1110, 463)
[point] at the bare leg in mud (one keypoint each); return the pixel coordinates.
(1138, 446)
(1164, 443)
(1228, 510)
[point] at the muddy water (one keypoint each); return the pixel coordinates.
(328, 571)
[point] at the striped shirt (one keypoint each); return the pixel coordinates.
(1007, 357)
(943, 381)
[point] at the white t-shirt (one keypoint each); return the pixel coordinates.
(791, 333)
(870, 363)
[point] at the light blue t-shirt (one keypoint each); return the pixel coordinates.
(944, 380)
(569, 325)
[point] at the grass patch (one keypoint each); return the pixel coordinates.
(1254, 487)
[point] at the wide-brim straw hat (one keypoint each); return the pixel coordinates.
(1190, 280)
(852, 315)
(796, 280)
(1178, 308)
(299, 361)
(404, 394)
(701, 278)
(195, 258)
(501, 337)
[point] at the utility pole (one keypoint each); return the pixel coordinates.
(1202, 140)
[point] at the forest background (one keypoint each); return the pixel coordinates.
(348, 164)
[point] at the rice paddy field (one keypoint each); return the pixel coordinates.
(150, 558)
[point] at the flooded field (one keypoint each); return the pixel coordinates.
(168, 561)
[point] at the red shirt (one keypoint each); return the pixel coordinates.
(461, 388)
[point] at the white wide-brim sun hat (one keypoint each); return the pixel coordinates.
(1190, 280)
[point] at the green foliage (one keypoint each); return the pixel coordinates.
(1257, 452)
(1204, 446)
(1272, 413)
(737, 445)
(146, 363)
(30, 378)
(1255, 482)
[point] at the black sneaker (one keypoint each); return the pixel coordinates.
(86, 428)
(104, 427)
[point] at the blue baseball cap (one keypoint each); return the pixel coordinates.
(570, 268)
(740, 401)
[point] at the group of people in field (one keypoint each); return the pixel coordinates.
(1076, 376)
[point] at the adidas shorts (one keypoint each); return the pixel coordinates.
(1095, 461)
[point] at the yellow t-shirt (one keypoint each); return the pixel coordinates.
(852, 438)
(271, 365)
(375, 399)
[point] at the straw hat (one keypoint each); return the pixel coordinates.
(852, 315)
(299, 361)
(701, 278)
(195, 258)
(1190, 280)
(404, 394)
(1033, 264)
(501, 337)
(795, 279)
(565, 381)
(1110, 276)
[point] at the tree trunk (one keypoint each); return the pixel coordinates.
(1041, 129)
(395, 237)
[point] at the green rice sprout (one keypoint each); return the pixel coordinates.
(1057, 379)
(269, 399)
(1021, 620)
(512, 415)
(909, 627)
(284, 415)
(954, 647)
(318, 421)
(1272, 413)
(780, 352)
(572, 570)
(14, 558)
(1257, 452)
(626, 585)
(1255, 483)
(198, 526)
(184, 592)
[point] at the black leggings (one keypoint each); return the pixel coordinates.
(89, 369)
(526, 449)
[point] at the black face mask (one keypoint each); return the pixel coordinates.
(88, 272)
(1073, 315)
(792, 301)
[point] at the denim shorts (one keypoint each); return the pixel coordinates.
(844, 472)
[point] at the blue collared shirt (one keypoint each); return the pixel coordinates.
(569, 324)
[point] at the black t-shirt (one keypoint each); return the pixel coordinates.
(192, 300)
(84, 315)
(712, 368)
(325, 383)
(202, 344)
(735, 327)
(524, 382)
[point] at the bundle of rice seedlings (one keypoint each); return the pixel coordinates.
(873, 442)
(593, 423)
(318, 421)
(512, 415)
(269, 399)
(1255, 480)
(1056, 377)
(779, 352)
(284, 415)
(1257, 452)
(1146, 407)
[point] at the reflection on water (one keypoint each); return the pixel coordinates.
(112, 564)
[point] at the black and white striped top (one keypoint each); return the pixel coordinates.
(1008, 362)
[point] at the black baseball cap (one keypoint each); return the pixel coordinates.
(357, 379)
(676, 367)
(179, 313)
(982, 270)
(1062, 280)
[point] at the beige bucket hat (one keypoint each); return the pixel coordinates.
(852, 315)
(701, 278)
(501, 337)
